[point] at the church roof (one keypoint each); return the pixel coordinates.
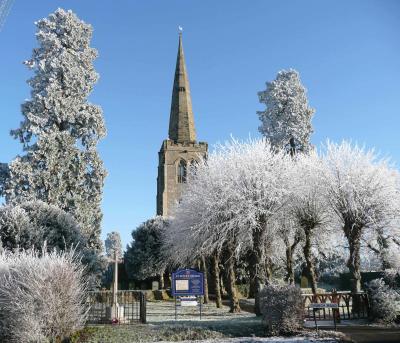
(181, 121)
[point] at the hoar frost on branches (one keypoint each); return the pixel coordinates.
(228, 207)
(113, 245)
(247, 199)
(363, 193)
(286, 122)
(309, 209)
(42, 296)
(61, 128)
(35, 224)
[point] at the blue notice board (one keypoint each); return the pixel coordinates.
(187, 282)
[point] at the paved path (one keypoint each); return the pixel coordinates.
(371, 334)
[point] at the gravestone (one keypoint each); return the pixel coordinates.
(155, 286)
(304, 282)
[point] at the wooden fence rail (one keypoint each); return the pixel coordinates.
(350, 306)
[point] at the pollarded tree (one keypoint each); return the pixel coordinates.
(292, 236)
(309, 207)
(143, 256)
(363, 192)
(199, 224)
(61, 128)
(260, 186)
(286, 122)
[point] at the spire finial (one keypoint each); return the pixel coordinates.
(180, 29)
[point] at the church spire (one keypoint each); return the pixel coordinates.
(181, 121)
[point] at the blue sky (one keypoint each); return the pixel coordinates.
(347, 53)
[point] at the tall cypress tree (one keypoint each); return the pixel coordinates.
(60, 128)
(286, 121)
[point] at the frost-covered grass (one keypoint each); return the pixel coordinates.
(181, 333)
(162, 313)
(216, 325)
(143, 333)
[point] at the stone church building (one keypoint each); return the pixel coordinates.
(181, 149)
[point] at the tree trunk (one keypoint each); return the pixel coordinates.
(309, 261)
(258, 264)
(353, 235)
(223, 281)
(289, 265)
(232, 292)
(354, 265)
(205, 271)
(252, 275)
(268, 271)
(216, 276)
(290, 248)
(161, 278)
(167, 279)
(384, 248)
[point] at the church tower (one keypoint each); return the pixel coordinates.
(181, 148)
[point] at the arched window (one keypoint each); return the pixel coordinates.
(182, 171)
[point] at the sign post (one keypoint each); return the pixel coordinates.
(187, 284)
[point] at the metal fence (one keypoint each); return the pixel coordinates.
(351, 306)
(131, 307)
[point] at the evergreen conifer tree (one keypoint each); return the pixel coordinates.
(286, 121)
(60, 127)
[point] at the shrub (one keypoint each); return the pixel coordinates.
(282, 308)
(384, 301)
(34, 224)
(41, 297)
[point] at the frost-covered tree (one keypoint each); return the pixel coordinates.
(35, 224)
(229, 204)
(32, 224)
(143, 256)
(113, 245)
(196, 222)
(309, 207)
(60, 128)
(4, 175)
(363, 192)
(286, 121)
(260, 189)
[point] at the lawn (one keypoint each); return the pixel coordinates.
(216, 325)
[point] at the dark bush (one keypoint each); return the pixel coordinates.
(384, 301)
(282, 309)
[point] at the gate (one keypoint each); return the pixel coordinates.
(131, 309)
(350, 306)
